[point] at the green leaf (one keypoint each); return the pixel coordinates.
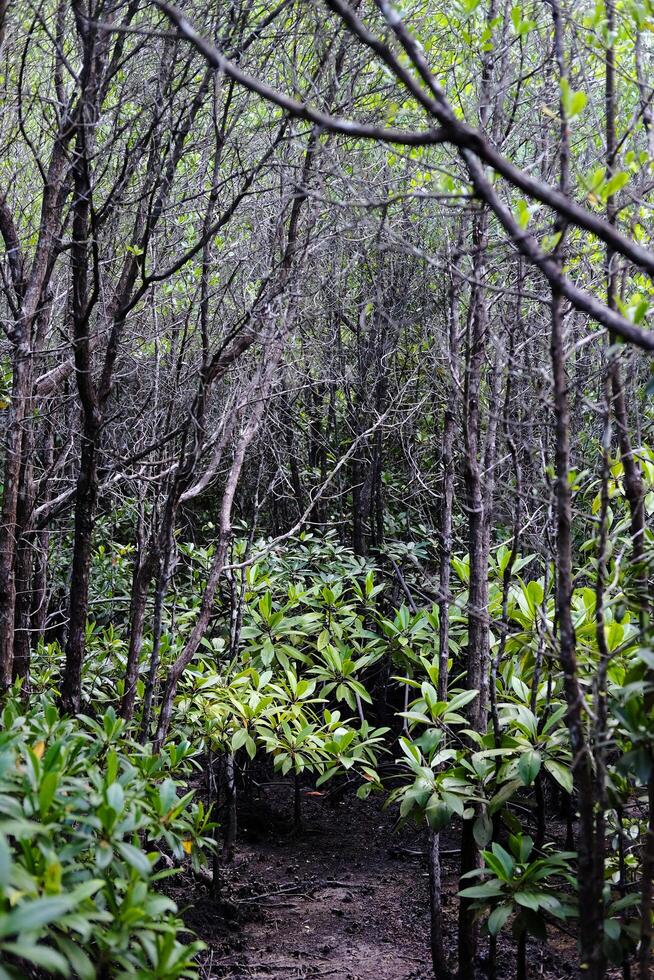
(52, 878)
(85, 890)
(573, 102)
(577, 103)
(505, 859)
(80, 962)
(42, 956)
(615, 184)
(116, 797)
(438, 814)
(522, 845)
(504, 794)
(460, 700)
(47, 791)
(497, 919)
(644, 653)
(323, 641)
(562, 774)
(5, 862)
(136, 858)
(239, 739)
(522, 213)
(490, 889)
(33, 915)
(529, 900)
(638, 762)
(529, 766)
(483, 829)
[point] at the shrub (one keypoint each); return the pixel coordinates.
(86, 817)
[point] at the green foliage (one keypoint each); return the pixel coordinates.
(296, 690)
(86, 818)
(520, 890)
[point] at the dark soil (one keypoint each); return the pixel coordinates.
(347, 898)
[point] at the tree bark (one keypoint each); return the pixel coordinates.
(146, 564)
(590, 880)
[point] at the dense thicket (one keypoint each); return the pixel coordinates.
(327, 422)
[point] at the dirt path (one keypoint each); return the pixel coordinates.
(336, 901)
(342, 900)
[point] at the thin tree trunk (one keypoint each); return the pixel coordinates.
(438, 957)
(477, 661)
(85, 503)
(9, 529)
(146, 564)
(590, 881)
(39, 610)
(231, 814)
(163, 578)
(222, 547)
(445, 553)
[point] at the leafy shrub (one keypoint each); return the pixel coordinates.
(86, 816)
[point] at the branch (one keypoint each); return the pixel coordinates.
(12, 246)
(270, 545)
(466, 137)
(527, 245)
(300, 110)
(473, 147)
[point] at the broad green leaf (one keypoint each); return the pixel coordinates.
(43, 956)
(497, 919)
(529, 766)
(32, 915)
(562, 774)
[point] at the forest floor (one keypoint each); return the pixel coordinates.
(347, 898)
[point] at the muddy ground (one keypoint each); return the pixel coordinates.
(347, 898)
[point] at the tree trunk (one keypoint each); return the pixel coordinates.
(477, 661)
(438, 957)
(591, 879)
(165, 568)
(85, 503)
(140, 590)
(39, 610)
(8, 521)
